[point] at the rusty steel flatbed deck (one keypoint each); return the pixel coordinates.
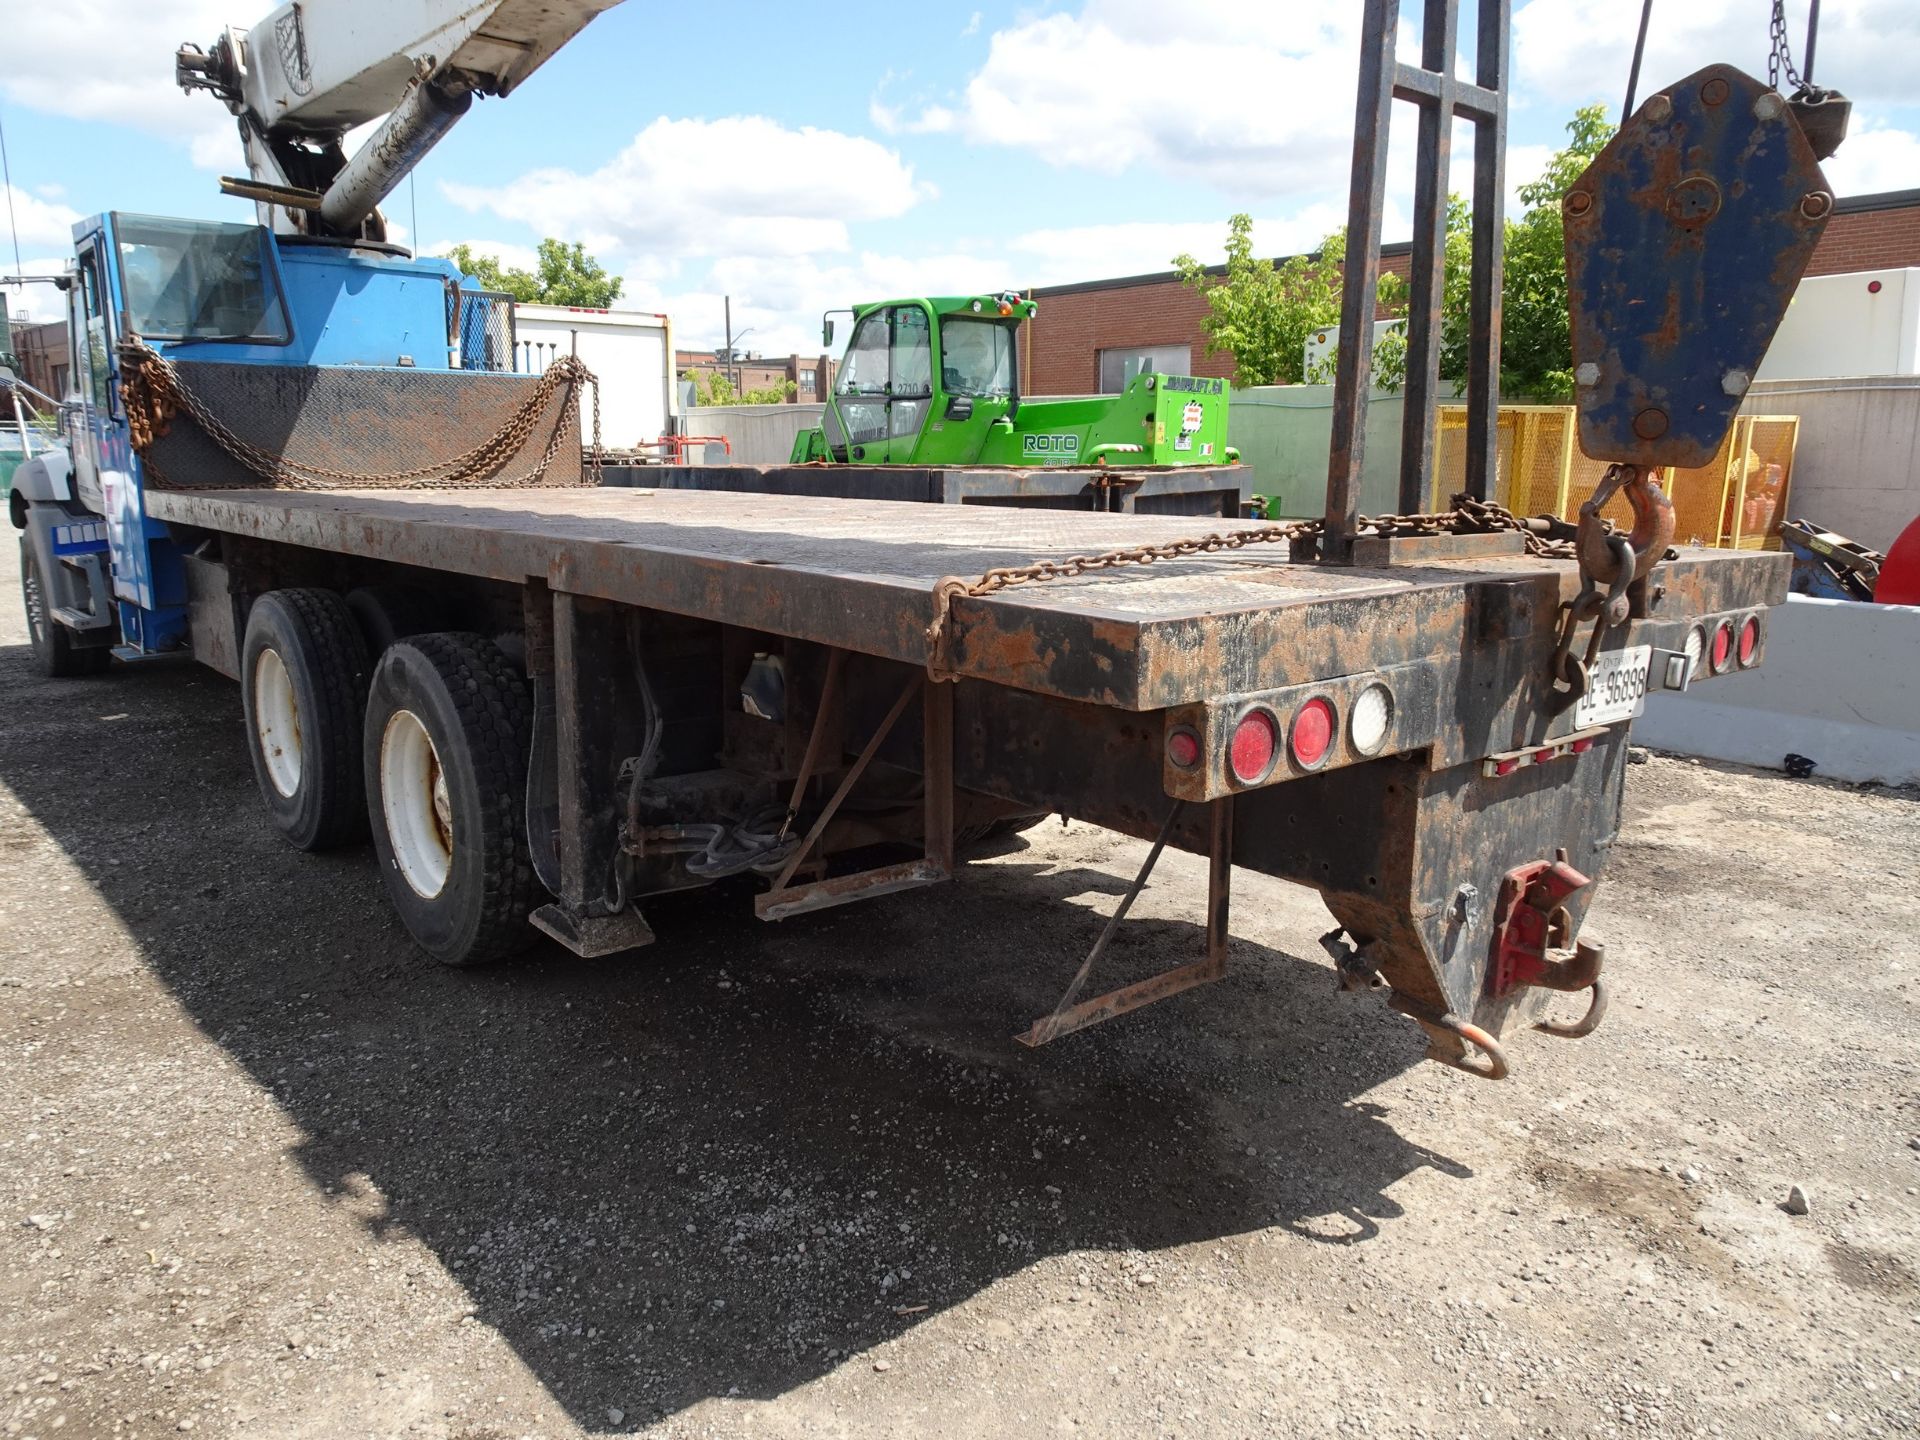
(860, 575)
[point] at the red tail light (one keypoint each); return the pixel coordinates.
(1749, 639)
(1722, 646)
(1311, 734)
(1183, 748)
(1255, 739)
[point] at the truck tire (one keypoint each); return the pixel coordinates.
(448, 728)
(53, 645)
(393, 612)
(303, 682)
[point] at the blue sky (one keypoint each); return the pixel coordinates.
(799, 158)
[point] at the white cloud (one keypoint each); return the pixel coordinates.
(1258, 103)
(930, 119)
(110, 61)
(1866, 49)
(742, 185)
(35, 301)
(1874, 158)
(1256, 100)
(38, 224)
(1569, 53)
(972, 26)
(927, 118)
(511, 257)
(1086, 252)
(45, 233)
(782, 299)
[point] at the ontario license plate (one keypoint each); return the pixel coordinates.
(1617, 688)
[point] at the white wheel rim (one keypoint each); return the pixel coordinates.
(276, 722)
(30, 587)
(414, 802)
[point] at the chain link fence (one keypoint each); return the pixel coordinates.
(480, 329)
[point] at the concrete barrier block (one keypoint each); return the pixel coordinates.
(1839, 683)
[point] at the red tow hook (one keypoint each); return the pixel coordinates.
(1533, 941)
(1605, 562)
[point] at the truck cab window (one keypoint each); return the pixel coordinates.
(976, 357)
(196, 280)
(863, 382)
(90, 331)
(912, 352)
(865, 370)
(912, 371)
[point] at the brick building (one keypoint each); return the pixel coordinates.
(758, 372)
(42, 351)
(1088, 333)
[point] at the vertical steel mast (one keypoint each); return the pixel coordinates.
(1441, 96)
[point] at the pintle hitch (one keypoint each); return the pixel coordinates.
(1533, 941)
(1353, 961)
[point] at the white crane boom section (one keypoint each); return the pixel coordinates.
(330, 66)
(312, 70)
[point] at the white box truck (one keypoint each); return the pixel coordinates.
(631, 351)
(1865, 322)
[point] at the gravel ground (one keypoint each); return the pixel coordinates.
(266, 1171)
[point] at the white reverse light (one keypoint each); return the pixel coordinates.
(1696, 651)
(1369, 719)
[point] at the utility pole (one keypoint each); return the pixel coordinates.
(728, 301)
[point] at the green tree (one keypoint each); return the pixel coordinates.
(563, 275)
(1262, 313)
(1536, 346)
(714, 387)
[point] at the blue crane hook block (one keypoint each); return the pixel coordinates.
(1685, 239)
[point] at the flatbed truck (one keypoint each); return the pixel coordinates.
(548, 701)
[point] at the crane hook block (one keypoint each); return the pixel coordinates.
(1685, 239)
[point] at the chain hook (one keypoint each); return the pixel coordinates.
(1600, 561)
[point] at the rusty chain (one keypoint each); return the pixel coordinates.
(1620, 563)
(154, 394)
(1780, 53)
(1469, 516)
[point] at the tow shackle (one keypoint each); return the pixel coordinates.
(1617, 562)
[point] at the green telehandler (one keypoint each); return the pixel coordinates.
(936, 382)
(926, 405)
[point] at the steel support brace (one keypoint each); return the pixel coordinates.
(1440, 96)
(785, 899)
(1068, 1017)
(592, 705)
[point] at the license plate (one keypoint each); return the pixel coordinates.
(1617, 688)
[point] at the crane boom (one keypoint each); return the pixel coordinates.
(308, 73)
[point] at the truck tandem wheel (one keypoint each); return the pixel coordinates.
(393, 612)
(53, 646)
(303, 682)
(448, 728)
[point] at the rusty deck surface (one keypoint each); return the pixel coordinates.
(860, 575)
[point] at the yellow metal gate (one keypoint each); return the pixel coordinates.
(1737, 501)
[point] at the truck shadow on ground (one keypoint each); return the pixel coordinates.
(724, 1165)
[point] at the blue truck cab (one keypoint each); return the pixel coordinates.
(99, 573)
